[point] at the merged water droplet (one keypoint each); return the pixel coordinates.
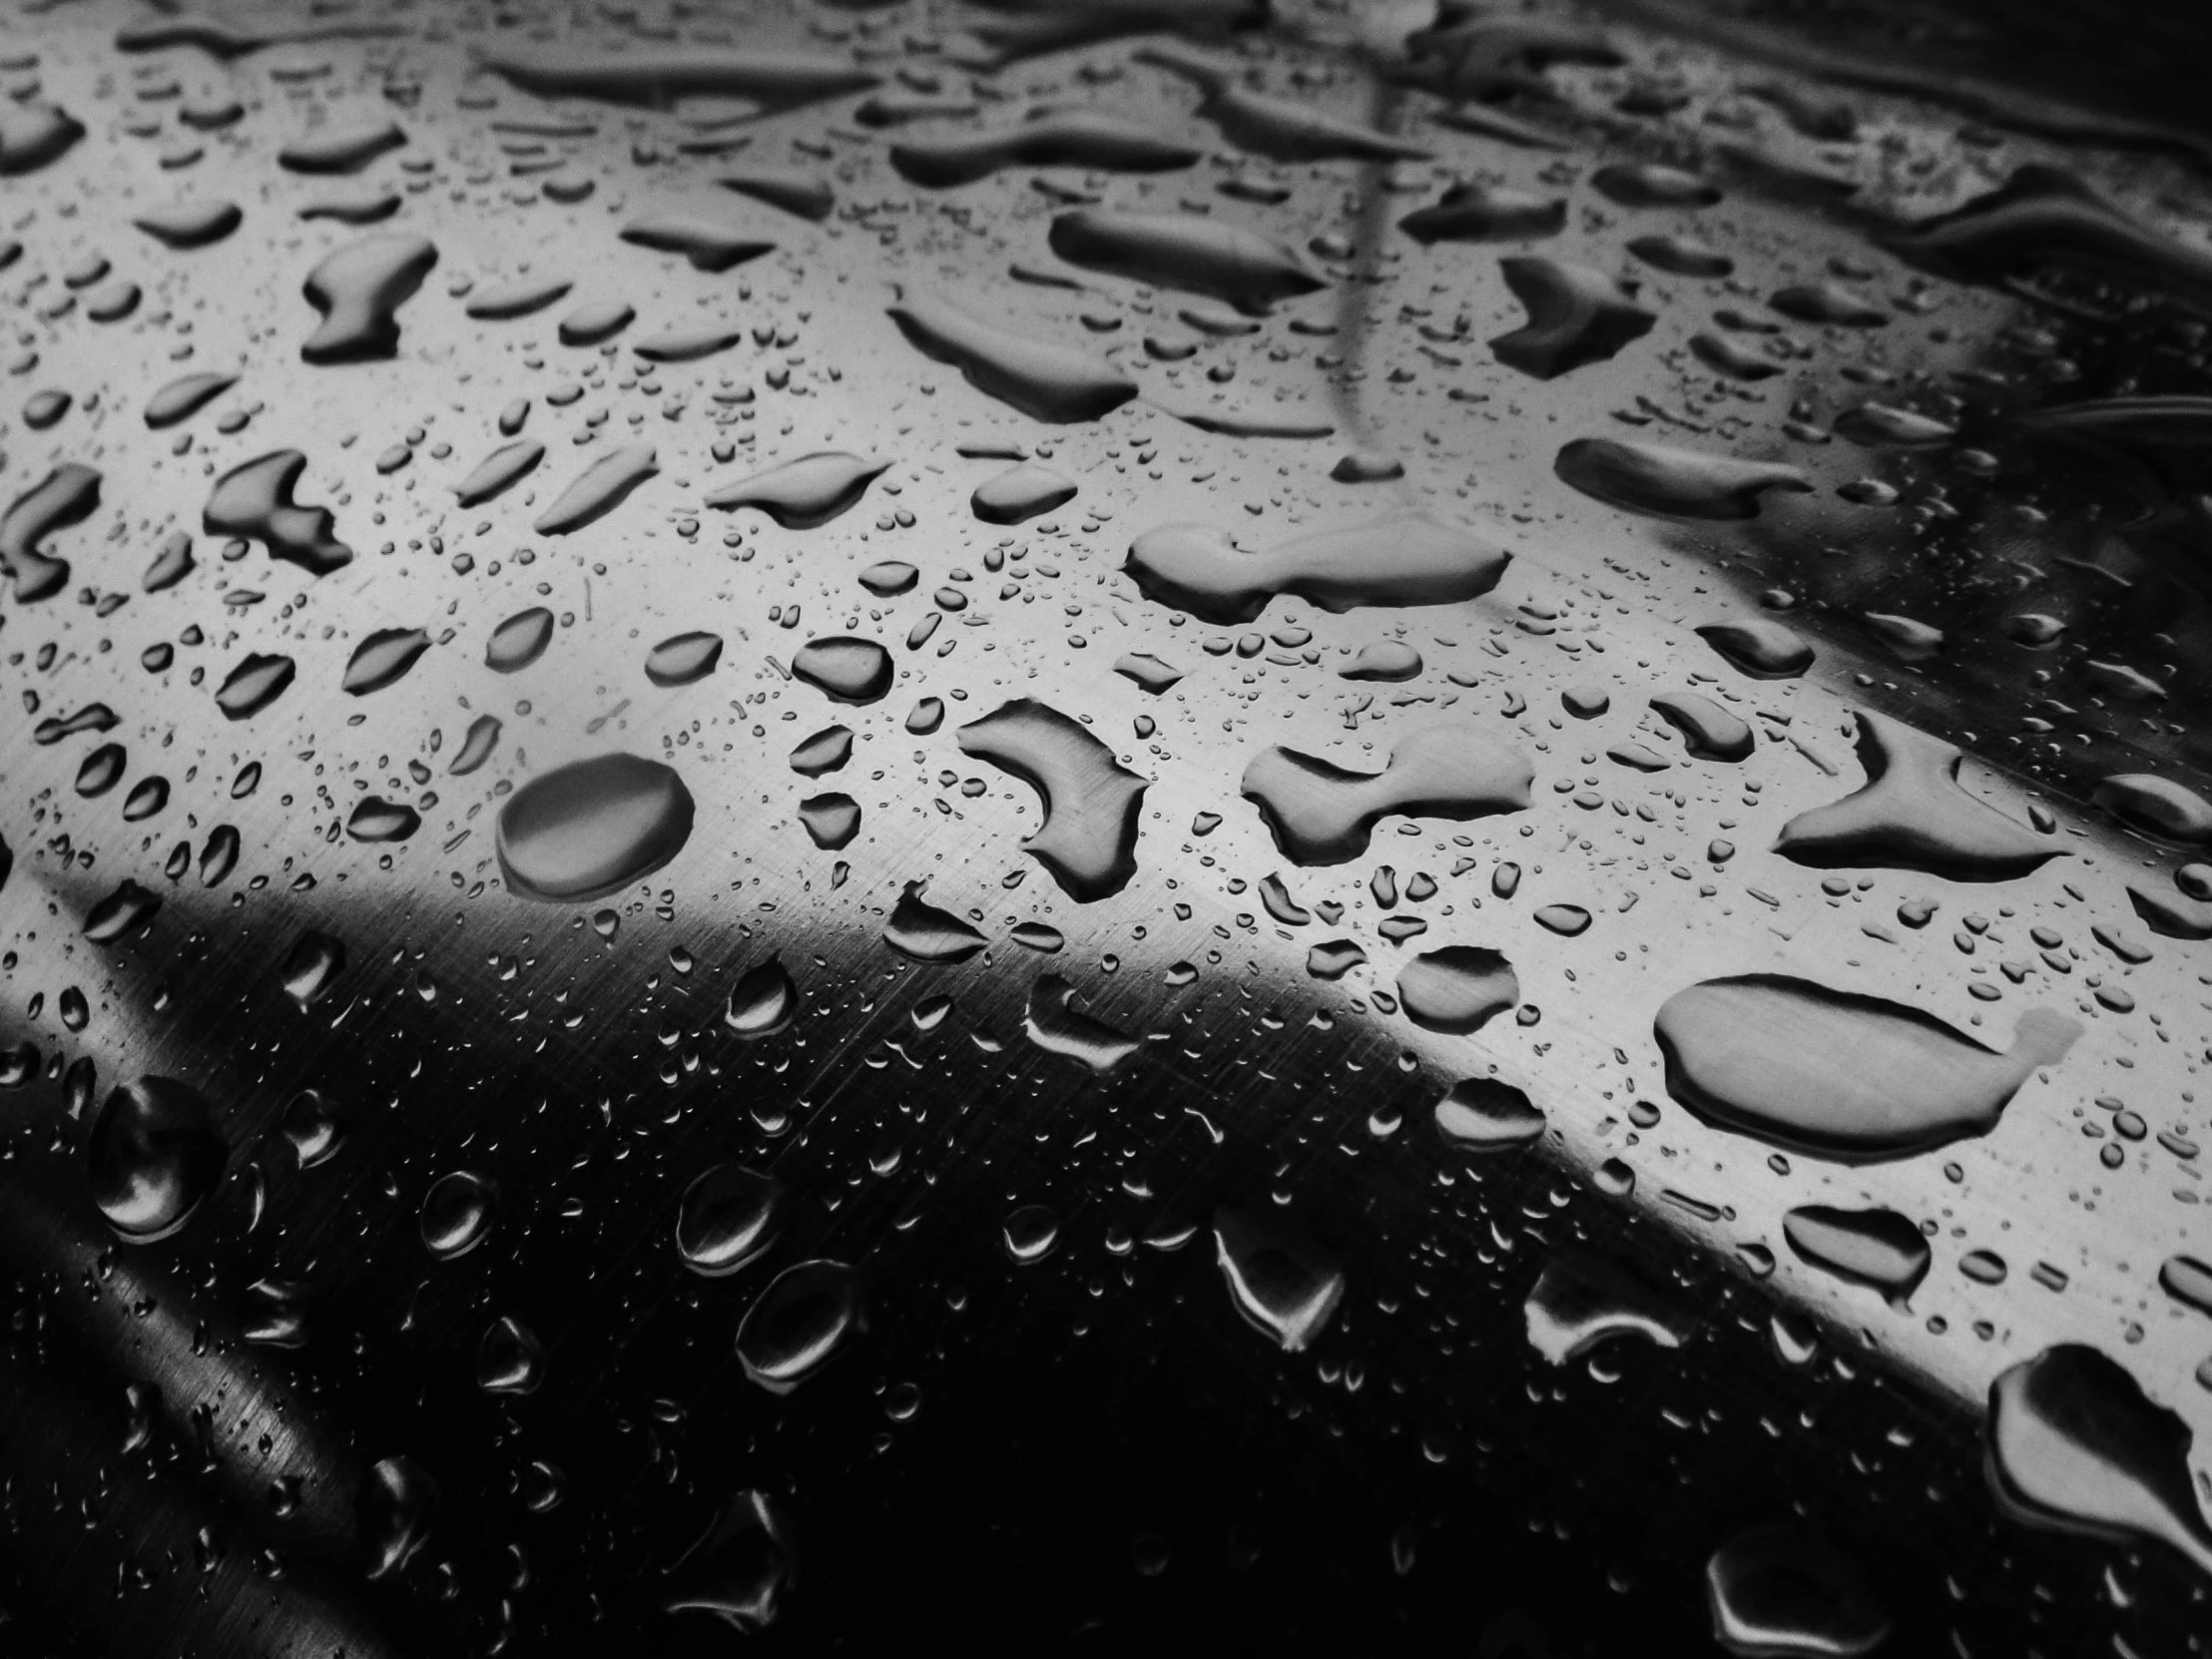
(1091, 802)
(360, 290)
(1320, 814)
(1092, 138)
(254, 500)
(1189, 251)
(922, 932)
(1852, 1078)
(1395, 561)
(2075, 1446)
(1912, 813)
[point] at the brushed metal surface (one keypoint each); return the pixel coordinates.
(1093, 1442)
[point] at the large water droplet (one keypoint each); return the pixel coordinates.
(1321, 813)
(1852, 1078)
(805, 492)
(152, 1156)
(807, 1314)
(592, 826)
(2076, 1446)
(456, 1214)
(1281, 1282)
(845, 669)
(1879, 1248)
(1395, 561)
(1780, 1593)
(728, 1218)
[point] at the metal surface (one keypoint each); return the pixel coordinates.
(1064, 1427)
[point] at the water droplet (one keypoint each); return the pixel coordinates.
(253, 501)
(804, 493)
(1481, 1114)
(1055, 1025)
(1912, 813)
(1761, 649)
(728, 1218)
(826, 750)
(1470, 210)
(1321, 813)
(591, 828)
(710, 242)
(1581, 1300)
(1189, 252)
(2075, 1446)
(393, 1513)
(382, 658)
(831, 820)
(1021, 492)
(186, 397)
(1878, 1249)
(499, 471)
(1283, 1284)
(313, 1128)
(1089, 835)
(1031, 1233)
(519, 641)
(741, 1570)
(601, 487)
(1457, 990)
(456, 1214)
(844, 669)
(65, 496)
(1091, 139)
(1395, 561)
(314, 967)
(682, 659)
(922, 933)
(1664, 482)
(152, 1156)
(1852, 1078)
(1778, 1591)
(511, 1360)
(1709, 732)
(360, 290)
(1043, 379)
(1577, 315)
(373, 818)
(807, 1314)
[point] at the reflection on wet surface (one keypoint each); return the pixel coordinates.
(1380, 824)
